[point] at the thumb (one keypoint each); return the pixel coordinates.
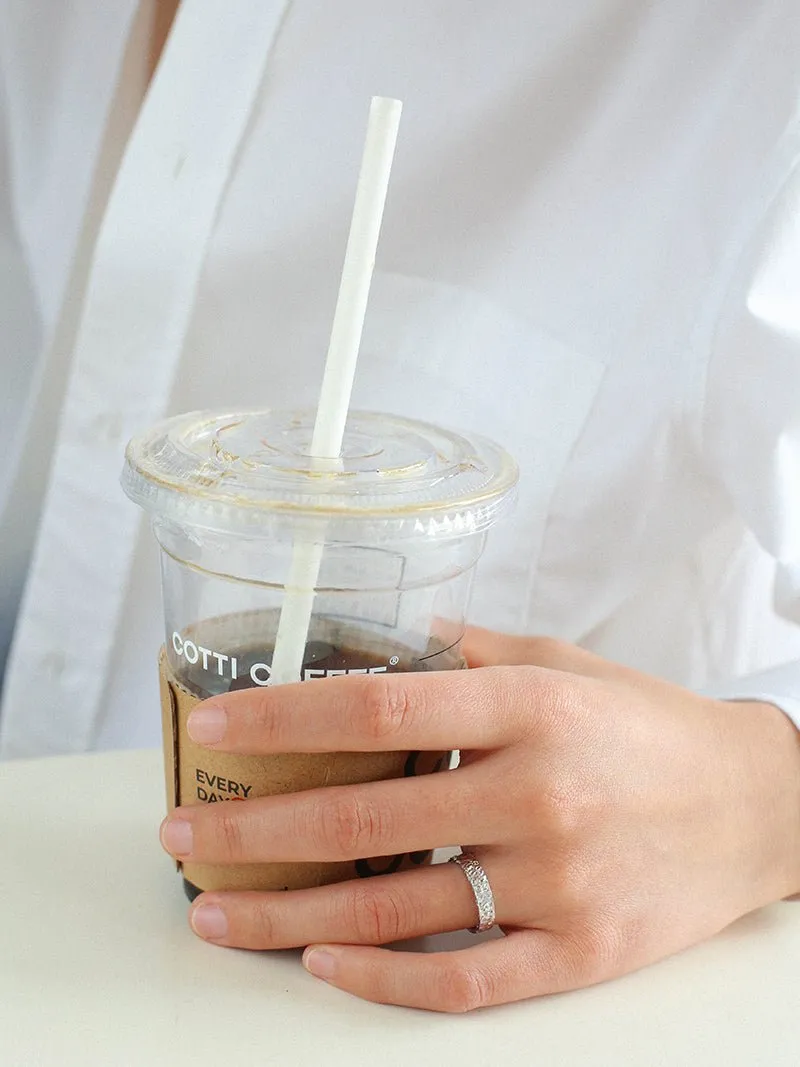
(486, 648)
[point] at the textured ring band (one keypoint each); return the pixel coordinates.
(481, 890)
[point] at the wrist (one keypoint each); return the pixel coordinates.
(770, 795)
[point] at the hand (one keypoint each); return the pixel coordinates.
(619, 819)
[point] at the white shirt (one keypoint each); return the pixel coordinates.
(591, 252)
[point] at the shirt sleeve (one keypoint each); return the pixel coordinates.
(779, 686)
(751, 410)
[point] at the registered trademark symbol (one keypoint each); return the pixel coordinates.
(394, 661)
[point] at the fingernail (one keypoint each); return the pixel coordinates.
(209, 921)
(176, 836)
(207, 726)
(320, 963)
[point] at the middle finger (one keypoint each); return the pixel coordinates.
(342, 822)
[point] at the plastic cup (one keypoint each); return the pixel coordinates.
(403, 518)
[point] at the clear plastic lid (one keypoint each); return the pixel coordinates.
(239, 472)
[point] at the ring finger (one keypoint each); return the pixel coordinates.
(375, 911)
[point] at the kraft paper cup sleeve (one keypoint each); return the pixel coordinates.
(195, 775)
(169, 729)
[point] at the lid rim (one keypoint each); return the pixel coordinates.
(160, 466)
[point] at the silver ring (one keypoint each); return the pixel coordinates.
(481, 890)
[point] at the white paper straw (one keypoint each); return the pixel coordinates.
(340, 368)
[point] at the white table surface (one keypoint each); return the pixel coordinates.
(99, 969)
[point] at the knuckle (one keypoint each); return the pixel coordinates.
(228, 832)
(598, 953)
(386, 708)
(464, 989)
(354, 829)
(263, 722)
(568, 885)
(560, 818)
(541, 702)
(265, 932)
(378, 917)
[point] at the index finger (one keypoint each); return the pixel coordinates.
(479, 709)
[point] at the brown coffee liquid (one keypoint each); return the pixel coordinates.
(323, 660)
